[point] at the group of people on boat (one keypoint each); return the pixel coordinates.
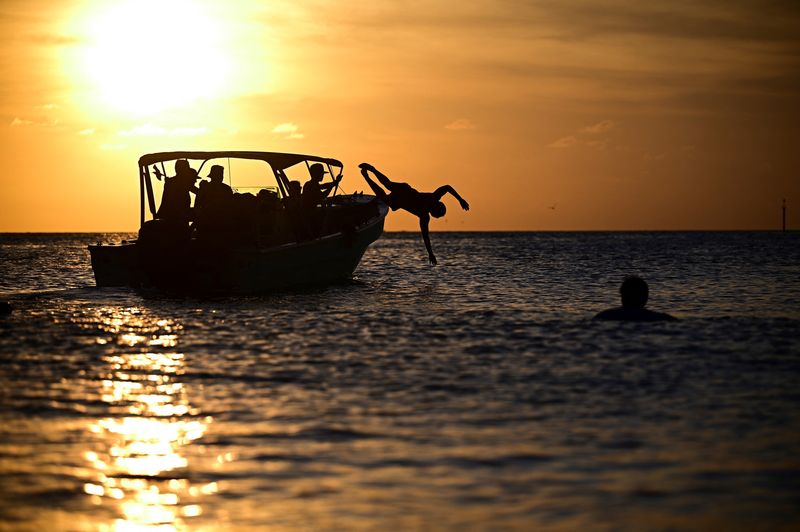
(220, 214)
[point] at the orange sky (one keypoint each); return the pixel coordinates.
(545, 115)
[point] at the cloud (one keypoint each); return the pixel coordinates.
(653, 157)
(187, 131)
(600, 127)
(460, 125)
(579, 137)
(113, 147)
(564, 142)
(56, 40)
(17, 122)
(600, 144)
(742, 20)
(145, 130)
(151, 130)
(24, 122)
(290, 129)
(86, 132)
(739, 20)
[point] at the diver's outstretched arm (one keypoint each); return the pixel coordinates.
(441, 191)
(379, 192)
(385, 181)
(423, 225)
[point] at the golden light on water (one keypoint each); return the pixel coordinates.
(139, 467)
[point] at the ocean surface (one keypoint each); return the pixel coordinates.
(475, 395)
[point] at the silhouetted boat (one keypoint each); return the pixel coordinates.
(303, 247)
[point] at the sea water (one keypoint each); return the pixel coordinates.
(477, 394)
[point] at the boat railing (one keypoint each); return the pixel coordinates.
(254, 189)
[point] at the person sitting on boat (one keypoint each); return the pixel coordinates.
(314, 192)
(214, 194)
(634, 293)
(295, 198)
(423, 205)
(176, 203)
(293, 204)
(213, 201)
(269, 216)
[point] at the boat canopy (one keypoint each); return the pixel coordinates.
(278, 161)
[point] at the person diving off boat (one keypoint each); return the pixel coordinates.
(423, 205)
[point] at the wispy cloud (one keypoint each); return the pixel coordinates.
(563, 142)
(25, 122)
(86, 132)
(291, 130)
(152, 130)
(55, 40)
(594, 132)
(461, 124)
(600, 127)
(17, 122)
(187, 131)
(601, 144)
(113, 147)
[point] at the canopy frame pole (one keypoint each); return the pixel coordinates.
(282, 181)
(148, 185)
(330, 171)
(141, 196)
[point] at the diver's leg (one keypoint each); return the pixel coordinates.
(385, 181)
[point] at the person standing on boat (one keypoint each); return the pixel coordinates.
(423, 205)
(176, 203)
(293, 204)
(314, 192)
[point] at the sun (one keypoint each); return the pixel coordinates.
(145, 56)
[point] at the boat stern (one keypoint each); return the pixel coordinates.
(115, 264)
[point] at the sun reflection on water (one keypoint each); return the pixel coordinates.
(139, 468)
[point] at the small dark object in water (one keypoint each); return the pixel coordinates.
(5, 308)
(634, 293)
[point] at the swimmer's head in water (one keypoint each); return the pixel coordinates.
(634, 292)
(438, 209)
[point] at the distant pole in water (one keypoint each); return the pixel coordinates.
(783, 212)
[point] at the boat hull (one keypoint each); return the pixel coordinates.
(195, 267)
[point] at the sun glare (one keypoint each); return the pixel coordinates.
(145, 56)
